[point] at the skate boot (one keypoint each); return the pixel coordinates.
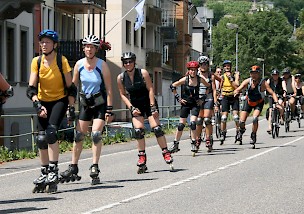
(94, 174)
(168, 158)
(223, 137)
(253, 139)
(52, 179)
(193, 147)
(198, 143)
(174, 148)
(209, 145)
(70, 174)
(238, 137)
(39, 182)
(141, 163)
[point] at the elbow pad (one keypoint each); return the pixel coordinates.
(31, 91)
(172, 88)
(72, 90)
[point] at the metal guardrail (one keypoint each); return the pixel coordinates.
(169, 118)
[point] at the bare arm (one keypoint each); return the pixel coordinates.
(271, 92)
(108, 83)
(293, 84)
(236, 82)
(243, 85)
(213, 88)
(3, 83)
(122, 92)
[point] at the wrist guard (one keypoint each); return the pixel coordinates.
(71, 113)
(31, 91)
(37, 105)
(172, 88)
(177, 97)
(153, 108)
(9, 92)
(72, 90)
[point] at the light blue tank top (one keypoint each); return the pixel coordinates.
(91, 80)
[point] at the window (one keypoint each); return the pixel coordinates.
(49, 19)
(142, 37)
(128, 32)
(23, 53)
(135, 38)
(10, 53)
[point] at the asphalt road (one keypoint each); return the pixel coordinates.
(231, 179)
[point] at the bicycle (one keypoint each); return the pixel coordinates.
(298, 110)
(217, 117)
(287, 114)
(275, 118)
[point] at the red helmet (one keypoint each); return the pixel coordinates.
(192, 64)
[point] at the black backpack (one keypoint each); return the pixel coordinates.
(59, 64)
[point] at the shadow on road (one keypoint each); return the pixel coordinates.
(98, 186)
(29, 200)
(22, 210)
(130, 180)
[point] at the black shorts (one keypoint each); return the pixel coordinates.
(208, 102)
(97, 112)
(56, 111)
(249, 108)
(230, 102)
(186, 109)
(144, 108)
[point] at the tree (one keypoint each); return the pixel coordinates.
(261, 35)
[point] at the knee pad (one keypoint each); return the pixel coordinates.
(199, 121)
(41, 140)
(236, 118)
(96, 137)
(79, 137)
(193, 125)
(224, 118)
(207, 121)
(139, 133)
(255, 120)
(180, 127)
(242, 124)
(51, 134)
(158, 131)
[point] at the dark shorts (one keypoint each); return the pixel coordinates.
(230, 102)
(97, 112)
(207, 102)
(185, 111)
(249, 108)
(144, 108)
(56, 111)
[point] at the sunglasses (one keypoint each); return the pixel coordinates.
(127, 62)
(297, 77)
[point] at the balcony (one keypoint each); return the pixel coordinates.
(169, 34)
(153, 59)
(73, 51)
(153, 16)
(81, 6)
(10, 9)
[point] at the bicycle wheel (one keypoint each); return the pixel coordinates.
(286, 117)
(217, 125)
(273, 123)
(277, 126)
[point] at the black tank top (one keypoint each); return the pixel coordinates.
(137, 90)
(277, 88)
(191, 93)
(255, 94)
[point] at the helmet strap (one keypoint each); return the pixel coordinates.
(46, 54)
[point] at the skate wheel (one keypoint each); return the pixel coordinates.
(222, 142)
(171, 167)
(95, 181)
(193, 154)
(78, 178)
(142, 169)
(241, 143)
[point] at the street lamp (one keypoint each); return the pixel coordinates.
(263, 61)
(235, 26)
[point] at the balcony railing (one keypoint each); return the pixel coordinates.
(153, 59)
(81, 6)
(169, 34)
(73, 51)
(153, 16)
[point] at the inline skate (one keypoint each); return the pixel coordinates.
(253, 140)
(141, 163)
(223, 137)
(52, 179)
(94, 174)
(39, 182)
(239, 137)
(193, 147)
(168, 158)
(71, 174)
(209, 144)
(174, 148)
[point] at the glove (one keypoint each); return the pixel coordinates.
(37, 105)
(71, 113)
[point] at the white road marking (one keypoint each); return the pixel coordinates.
(109, 206)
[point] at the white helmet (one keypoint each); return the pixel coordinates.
(203, 59)
(91, 40)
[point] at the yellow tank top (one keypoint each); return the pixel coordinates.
(227, 88)
(50, 86)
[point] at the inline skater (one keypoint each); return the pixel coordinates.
(50, 89)
(207, 102)
(300, 92)
(138, 84)
(229, 84)
(291, 91)
(188, 100)
(96, 106)
(256, 86)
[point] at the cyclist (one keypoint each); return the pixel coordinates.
(300, 90)
(49, 90)
(217, 73)
(188, 100)
(138, 84)
(275, 83)
(256, 86)
(207, 101)
(5, 91)
(291, 91)
(95, 109)
(230, 82)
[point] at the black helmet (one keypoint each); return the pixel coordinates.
(275, 71)
(286, 71)
(128, 55)
(297, 75)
